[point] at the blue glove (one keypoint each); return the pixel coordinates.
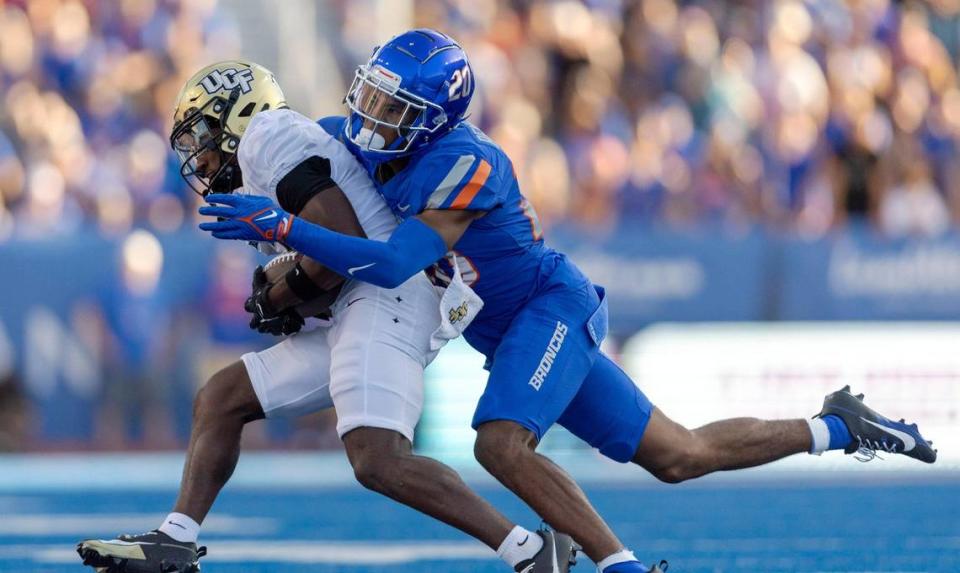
(246, 217)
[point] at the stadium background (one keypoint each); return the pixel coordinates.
(769, 190)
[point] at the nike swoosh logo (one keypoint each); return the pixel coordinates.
(356, 300)
(908, 442)
(403, 209)
(352, 270)
(177, 524)
(269, 215)
(525, 539)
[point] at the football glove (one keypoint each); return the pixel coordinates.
(266, 319)
(246, 217)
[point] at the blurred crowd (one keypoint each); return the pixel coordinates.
(797, 115)
(86, 93)
(800, 115)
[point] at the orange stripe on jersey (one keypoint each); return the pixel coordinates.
(470, 190)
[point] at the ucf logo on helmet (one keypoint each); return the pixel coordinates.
(228, 80)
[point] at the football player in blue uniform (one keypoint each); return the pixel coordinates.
(541, 321)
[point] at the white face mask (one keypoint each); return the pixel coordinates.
(369, 139)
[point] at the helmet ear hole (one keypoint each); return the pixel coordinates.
(213, 123)
(248, 109)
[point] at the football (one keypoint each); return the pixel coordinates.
(280, 265)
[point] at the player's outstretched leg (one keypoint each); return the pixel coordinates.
(222, 407)
(674, 454)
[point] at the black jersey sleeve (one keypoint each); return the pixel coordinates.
(304, 182)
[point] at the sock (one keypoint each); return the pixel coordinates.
(181, 527)
(622, 561)
(829, 433)
(840, 436)
(520, 544)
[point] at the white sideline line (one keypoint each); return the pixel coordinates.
(162, 471)
(301, 552)
(97, 524)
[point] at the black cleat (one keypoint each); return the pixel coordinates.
(660, 567)
(558, 554)
(151, 552)
(872, 432)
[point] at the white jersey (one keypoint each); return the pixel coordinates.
(278, 140)
(368, 362)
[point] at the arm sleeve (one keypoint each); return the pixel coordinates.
(304, 182)
(413, 247)
(462, 181)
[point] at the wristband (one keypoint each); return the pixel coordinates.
(302, 285)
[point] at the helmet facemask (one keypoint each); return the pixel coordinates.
(199, 133)
(381, 111)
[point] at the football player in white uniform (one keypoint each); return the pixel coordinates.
(234, 133)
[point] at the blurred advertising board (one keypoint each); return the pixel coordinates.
(861, 276)
(88, 321)
(91, 326)
(700, 373)
(653, 276)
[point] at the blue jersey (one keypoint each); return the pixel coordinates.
(501, 255)
(542, 320)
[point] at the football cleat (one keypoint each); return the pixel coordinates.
(660, 567)
(151, 552)
(558, 554)
(872, 432)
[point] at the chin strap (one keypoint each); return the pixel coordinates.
(229, 177)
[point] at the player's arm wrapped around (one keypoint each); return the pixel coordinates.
(307, 284)
(413, 246)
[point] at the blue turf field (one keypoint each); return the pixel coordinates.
(869, 524)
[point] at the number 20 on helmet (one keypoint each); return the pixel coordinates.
(414, 89)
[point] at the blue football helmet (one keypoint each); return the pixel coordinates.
(414, 89)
